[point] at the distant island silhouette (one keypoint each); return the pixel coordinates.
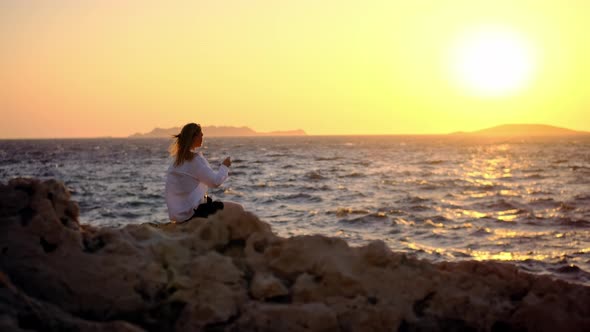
(524, 130)
(218, 131)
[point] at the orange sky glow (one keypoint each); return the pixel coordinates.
(112, 68)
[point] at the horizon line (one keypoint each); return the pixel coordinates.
(574, 132)
(128, 137)
(454, 134)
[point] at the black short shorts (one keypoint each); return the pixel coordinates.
(206, 209)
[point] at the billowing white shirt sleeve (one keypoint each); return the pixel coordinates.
(201, 170)
(187, 184)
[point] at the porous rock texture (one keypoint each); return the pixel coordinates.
(231, 273)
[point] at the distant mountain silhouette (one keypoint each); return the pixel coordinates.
(524, 130)
(215, 131)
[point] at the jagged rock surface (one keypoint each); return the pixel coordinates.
(231, 273)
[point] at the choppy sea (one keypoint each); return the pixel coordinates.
(444, 198)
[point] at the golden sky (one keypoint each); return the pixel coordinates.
(112, 68)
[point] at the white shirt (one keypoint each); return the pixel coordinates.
(187, 184)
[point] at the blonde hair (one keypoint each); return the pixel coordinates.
(180, 149)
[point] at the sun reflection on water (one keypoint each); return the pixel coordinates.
(509, 256)
(473, 214)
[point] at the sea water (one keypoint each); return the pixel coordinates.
(443, 198)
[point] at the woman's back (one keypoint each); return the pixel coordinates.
(189, 177)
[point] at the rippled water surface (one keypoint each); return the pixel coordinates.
(438, 197)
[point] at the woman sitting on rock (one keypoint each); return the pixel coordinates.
(190, 175)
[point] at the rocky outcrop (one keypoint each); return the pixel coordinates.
(231, 273)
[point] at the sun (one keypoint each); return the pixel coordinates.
(492, 62)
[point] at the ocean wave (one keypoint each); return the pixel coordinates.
(431, 223)
(393, 212)
(87, 207)
(353, 175)
(324, 187)
(273, 185)
(267, 200)
(418, 208)
(151, 196)
(369, 218)
(466, 225)
(130, 215)
(300, 197)
(580, 168)
(572, 222)
(566, 207)
(582, 198)
(425, 185)
(328, 158)
(452, 182)
(389, 182)
(341, 212)
(233, 193)
(560, 161)
(459, 254)
(535, 176)
(539, 192)
(314, 176)
(533, 170)
(244, 166)
(500, 205)
(481, 231)
(361, 163)
(134, 204)
(438, 218)
(413, 200)
(403, 222)
(544, 203)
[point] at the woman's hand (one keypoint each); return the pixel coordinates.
(227, 162)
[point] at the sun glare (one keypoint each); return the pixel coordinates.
(492, 62)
